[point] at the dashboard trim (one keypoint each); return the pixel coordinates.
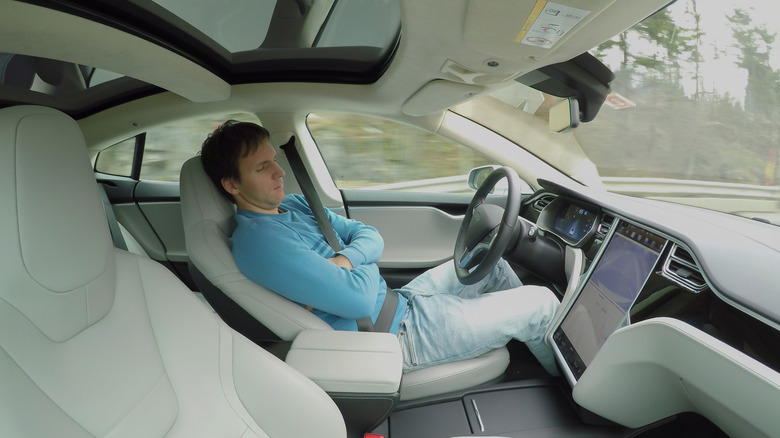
(746, 283)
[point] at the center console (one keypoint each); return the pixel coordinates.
(361, 371)
(523, 409)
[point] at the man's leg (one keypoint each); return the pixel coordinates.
(444, 328)
(443, 280)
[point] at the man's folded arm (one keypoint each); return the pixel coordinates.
(287, 266)
(363, 243)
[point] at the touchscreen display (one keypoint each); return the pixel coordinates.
(606, 298)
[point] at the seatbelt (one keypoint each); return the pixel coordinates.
(387, 312)
(113, 224)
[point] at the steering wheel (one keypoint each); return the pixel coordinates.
(487, 229)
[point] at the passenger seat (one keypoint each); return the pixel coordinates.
(96, 341)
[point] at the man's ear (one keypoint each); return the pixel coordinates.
(230, 186)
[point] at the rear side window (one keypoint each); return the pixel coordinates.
(117, 159)
(164, 149)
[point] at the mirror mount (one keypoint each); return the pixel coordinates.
(584, 78)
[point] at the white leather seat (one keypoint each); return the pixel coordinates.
(208, 226)
(99, 342)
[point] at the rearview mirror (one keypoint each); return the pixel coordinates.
(564, 115)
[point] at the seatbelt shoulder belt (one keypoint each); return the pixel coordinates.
(113, 223)
(387, 312)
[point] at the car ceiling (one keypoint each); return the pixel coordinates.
(449, 51)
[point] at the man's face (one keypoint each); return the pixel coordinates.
(261, 188)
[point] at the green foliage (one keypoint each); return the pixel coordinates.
(754, 44)
(679, 129)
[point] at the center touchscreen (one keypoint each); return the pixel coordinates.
(603, 304)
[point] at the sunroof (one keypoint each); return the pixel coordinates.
(220, 43)
(240, 25)
(236, 25)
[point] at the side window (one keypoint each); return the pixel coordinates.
(165, 148)
(366, 152)
(117, 159)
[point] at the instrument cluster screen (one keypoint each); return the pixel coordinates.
(574, 222)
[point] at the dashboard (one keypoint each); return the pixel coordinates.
(632, 271)
(644, 331)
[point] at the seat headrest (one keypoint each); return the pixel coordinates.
(57, 264)
(17, 70)
(201, 200)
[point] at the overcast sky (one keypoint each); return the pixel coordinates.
(719, 71)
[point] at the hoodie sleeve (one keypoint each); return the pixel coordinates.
(275, 256)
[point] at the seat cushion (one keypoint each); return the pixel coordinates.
(454, 376)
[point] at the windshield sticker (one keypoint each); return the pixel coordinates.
(549, 22)
(617, 101)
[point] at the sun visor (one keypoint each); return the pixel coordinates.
(438, 95)
(543, 32)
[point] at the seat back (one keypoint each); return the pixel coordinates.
(208, 225)
(96, 341)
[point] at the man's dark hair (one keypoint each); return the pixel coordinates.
(225, 146)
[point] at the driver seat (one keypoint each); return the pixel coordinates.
(98, 342)
(208, 226)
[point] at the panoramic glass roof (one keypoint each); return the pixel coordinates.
(241, 41)
(240, 25)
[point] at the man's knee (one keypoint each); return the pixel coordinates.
(540, 301)
(547, 299)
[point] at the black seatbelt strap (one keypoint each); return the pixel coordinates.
(386, 314)
(307, 187)
(113, 224)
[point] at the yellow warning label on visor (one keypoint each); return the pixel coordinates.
(548, 23)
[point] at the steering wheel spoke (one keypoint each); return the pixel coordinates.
(476, 254)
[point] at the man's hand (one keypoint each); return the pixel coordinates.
(341, 261)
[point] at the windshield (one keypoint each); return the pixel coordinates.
(692, 118)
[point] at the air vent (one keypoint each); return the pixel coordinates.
(681, 268)
(605, 225)
(542, 202)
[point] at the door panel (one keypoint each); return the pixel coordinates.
(415, 237)
(419, 229)
(151, 212)
(165, 219)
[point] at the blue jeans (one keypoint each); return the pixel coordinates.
(447, 321)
